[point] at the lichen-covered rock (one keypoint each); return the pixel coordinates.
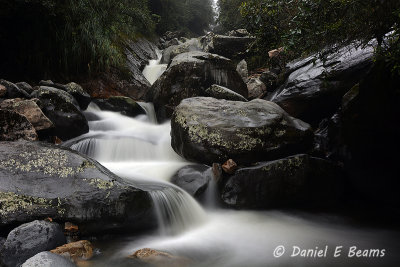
(208, 130)
(126, 105)
(14, 126)
(220, 92)
(40, 180)
(31, 111)
(47, 259)
(296, 181)
(188, 75)
(63, 110)
(13, 91)
(81, 96)
(29, 239)
(314, 87)
(256, 87)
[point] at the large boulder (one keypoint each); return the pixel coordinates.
(170, 52)
(32, 112)
(314, 87)
(14, 126)
(13, 91)
(228, 46)
(296, 181)
(47, 259)
(256, 87)
(40, 180)
(188, 75)
(81, 96)
(126, 105)
(208, 130)
(63, 110)
(29, 239)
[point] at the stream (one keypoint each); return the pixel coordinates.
(139, 149)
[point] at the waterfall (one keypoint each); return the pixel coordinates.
(176, 211)
(154, 69)
(138, 149)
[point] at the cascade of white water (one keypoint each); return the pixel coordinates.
(154, 69)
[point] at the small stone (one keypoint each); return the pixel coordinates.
(70, 227)
(160, 258)
(80, 250)
(57, 141)
(229, 166)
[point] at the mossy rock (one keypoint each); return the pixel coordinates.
(40, 180)
(208, 130)
(125, 105)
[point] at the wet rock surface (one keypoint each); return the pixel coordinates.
(296, 181)
(160, 258)
(63, 110)
(14, 126)
(13, 91)
(208, 130)
(188, 75)
(220, 92)
(75, 251)
(77, 189)
(125, 105)
(48, 259)
(193, 179)
(31, 111)
(29, 239)
(314, 88)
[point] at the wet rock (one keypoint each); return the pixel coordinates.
(63, 110)
(78, 93)
(172, 51)
(29, 239)
(220, 92)
(256, 87)
(314, 88)
(188, 75)
(14, 126)
(228, 46)
(80, 250)
(13, 91)
(47, 259)
(241, 68)
(229, 166)
(25, 86)
(296, 181)
(238, 33)
(3, 90)
(270, 80)
(208, 130)
(125, 105)
(193, 179)
(78, 189)
(160, 258)
(48, 83)
(32, 112)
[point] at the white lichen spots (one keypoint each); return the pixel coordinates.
(52, 162)
(102, 184)
(279, 133)
(11, 202)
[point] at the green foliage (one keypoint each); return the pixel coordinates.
(229, 15)
(305, 26)
(73, 37)
(190, 16)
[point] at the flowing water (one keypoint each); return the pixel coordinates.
(139, 149)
